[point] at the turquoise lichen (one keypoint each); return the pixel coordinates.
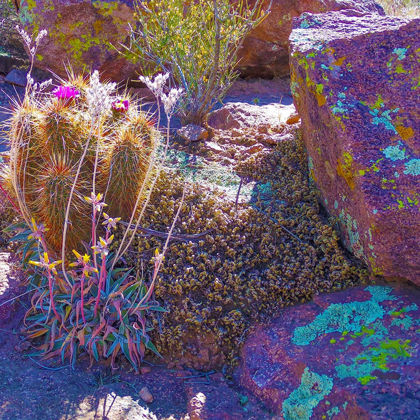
(378, 332)
(394, 153)
(294, 87)
(342, 107)
(412, 167)
(400, 52)
(309, 23)
(310, 163)
(339, 317)
(355, 370)
(388, 349)
(374, 358)
(405, 322)
(351, 226)
(333, 411)
(302, 401)
(384, 118)
(380, 293)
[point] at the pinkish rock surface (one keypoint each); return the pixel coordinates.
(347, 355)
(241, 115)
(241, 130)
(355, 79)
(193, 132)
(82, 33)
(265, 51)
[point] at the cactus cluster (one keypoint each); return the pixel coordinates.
(49, 133)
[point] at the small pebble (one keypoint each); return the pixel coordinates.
(145, 369)
(146, 395)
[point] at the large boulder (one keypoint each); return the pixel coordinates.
(83, 33)
(347, 355)
(355, 80)
(265, 51)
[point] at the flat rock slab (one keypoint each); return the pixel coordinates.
(242, 115)
(356, 80)
(346, 355)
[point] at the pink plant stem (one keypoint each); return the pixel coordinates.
(44, 245)
(52, 295)
(10, 200)
(100, 285)
(102, 275)
(94, 235)
(81, 297)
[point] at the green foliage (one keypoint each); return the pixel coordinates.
(101, 311)
(65, 146)
(196, 41)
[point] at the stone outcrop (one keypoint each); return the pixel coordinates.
(346, 355)
(265, 51)
(241, 130)
(85, 33)
(355, 80)
(241, 115)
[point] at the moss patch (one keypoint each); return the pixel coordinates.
(272, 252)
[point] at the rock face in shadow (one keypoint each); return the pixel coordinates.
(265, 51)
(346, 355)
(84, 34)
(355, 80)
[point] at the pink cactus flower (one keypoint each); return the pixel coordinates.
(66, 92)
(120, 105)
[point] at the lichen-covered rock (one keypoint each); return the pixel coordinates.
(242, 129)
(241, 115)
(83, 34)
(356, 81)
(265, 50)
(193, 132)
(348, 355)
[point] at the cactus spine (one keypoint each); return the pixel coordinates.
(48, 136)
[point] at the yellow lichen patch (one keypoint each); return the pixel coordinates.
(317, 90)
(312, 175)
(339, 62)
(321, 99)
(329, 50)
(98, 26)
(344, 169)
(405, 132)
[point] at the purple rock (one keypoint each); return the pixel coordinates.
(85, 33)
(82, 34)
(346, 355)
(356, 82)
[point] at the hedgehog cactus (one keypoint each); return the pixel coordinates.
(49, 134)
